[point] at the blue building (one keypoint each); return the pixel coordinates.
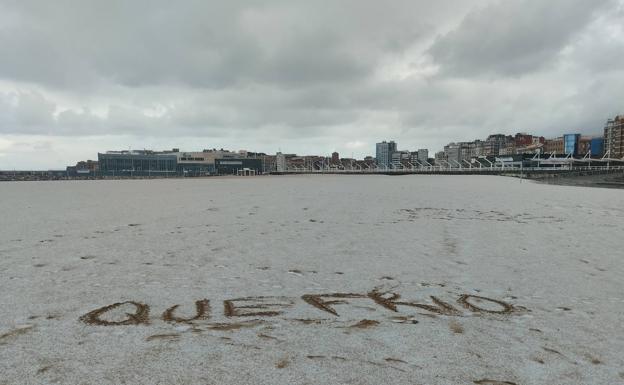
(571, 144)
(596, 147)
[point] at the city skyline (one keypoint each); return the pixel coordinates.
(303, 77)
(361, 154)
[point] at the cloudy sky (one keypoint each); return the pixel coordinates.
(82, 76)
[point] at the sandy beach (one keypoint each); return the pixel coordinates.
(311, 280)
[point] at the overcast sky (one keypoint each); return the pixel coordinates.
(311, 77)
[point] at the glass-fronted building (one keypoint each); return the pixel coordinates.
(571, 144)
(137, 163)
(233, 166)
(196, 169)
(151, 163)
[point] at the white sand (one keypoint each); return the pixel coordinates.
(555, 253)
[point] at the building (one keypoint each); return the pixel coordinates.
(465, 151)
(452, 153)
(83, 169)
(137, 163)
(472, 149)
(509, 149)
(614, 137)
(296, 162)
(523, 139)
(439, 158)
(571, 144)
(400, 159)
(313, 162)
(413, 158)
(335, 158)
(584, 145)
(462, 152)
(177, 163)
(280, 162)
(478, 148)
(384, 152)
(553, 146)
(89, 165)
(526, 144)
(494, 143)
(202, 163)
(196, 163)
(269, 162)
(236, 166)
(422, 155)
(596, 147)
(592, 146)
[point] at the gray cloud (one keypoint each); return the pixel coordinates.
(201, 43)
(298, 75)
(513, 37)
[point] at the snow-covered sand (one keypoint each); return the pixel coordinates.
(527, 279)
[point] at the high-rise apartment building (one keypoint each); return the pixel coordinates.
(384, 152)
(614, 137)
